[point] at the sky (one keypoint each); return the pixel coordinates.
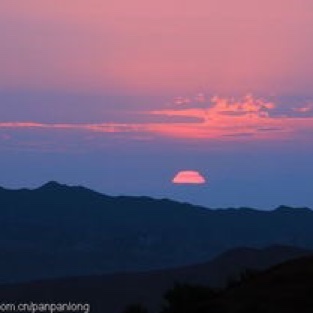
(122, 96)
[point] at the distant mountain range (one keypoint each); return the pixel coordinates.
(61, 231)
(112, 293)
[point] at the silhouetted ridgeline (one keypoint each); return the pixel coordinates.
(57, 230)
(115, 292)
(286, 288)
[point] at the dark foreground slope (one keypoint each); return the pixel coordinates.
(112, 293)
(61, 231)
(286, 288)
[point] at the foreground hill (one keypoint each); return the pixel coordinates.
(61, 231)
(112, 293)
(285, 288)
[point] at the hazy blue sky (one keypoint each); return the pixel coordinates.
(119, 96)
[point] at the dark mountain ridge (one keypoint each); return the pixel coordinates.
(112, 293)
(284, 288)
(57, 230)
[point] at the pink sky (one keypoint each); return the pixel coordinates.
(105, 92)
(229, 47)
(153, 49)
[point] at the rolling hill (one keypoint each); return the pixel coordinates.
(284, 288)
(112, 293)
(61, 231)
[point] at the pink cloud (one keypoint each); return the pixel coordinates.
(248, 118)
(304, 109)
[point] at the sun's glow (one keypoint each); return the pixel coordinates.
(188, 177)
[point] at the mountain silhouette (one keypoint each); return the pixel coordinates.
(60, 231)
(112, 293)
(284, 288)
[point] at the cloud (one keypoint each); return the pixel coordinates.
(221, 118)
(99, 127)
(304, 109)
(247, 105)
(247, 118)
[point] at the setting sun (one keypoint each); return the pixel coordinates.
(188, 177)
